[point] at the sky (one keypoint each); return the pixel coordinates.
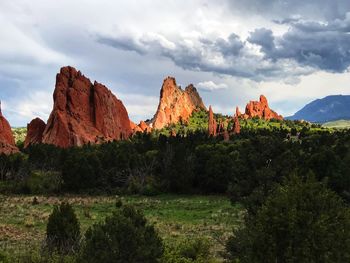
(292, 51)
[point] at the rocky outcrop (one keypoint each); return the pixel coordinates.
(261, 110)
(144, 127)
(7, 141)
(141, 127)
(84, 112)
(35, 130)
(236, 125)
(135, 128)
(175, 104)
(212, 125)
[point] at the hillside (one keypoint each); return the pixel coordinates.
(339, 124)
(330, 108)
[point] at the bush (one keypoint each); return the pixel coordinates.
(63, 229)
(123, 237)
(299, 222)
(41, 182)
(188, 251)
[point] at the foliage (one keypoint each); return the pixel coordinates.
(299, 222)
(20, 135)
(123, 237)
(40, 182)
(188, 251)
(63, 229)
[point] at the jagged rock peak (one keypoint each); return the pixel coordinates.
(35, 130)
(212, 125)
(175, 104)
(260, 109)
(84, 112)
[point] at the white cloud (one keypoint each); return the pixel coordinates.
(211, 86)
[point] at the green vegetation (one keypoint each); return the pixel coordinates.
(125, 236)
(19, 134)
(63, 229)
(199, 122)
(176, 218)
(340, 124)
(299, 222)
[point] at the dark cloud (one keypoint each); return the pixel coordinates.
(230, 47)
(278, 9)
(264, 38)
(307, 46)
(124, 43)
(324, 46)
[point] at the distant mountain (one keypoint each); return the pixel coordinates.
(330, 108)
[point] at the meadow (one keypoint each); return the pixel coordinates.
(176, 217)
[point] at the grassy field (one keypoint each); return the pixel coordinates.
(175, 217)
(340, 124)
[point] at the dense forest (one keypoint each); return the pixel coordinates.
(264, 154)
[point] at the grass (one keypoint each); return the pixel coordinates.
(339, 124)
(175, 217)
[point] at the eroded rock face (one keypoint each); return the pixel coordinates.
(236, 125)
(84, 112)
(175, 104)
(141, 127)
(260, 109)
(144, 127)
(212, 125)
(7, 141)
(35, 130)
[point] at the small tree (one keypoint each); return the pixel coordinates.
(300, 222)
(123, 237)
(63, 229)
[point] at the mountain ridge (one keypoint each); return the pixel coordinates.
(329, 108)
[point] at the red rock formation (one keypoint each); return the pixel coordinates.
(35, 130)
(141, 127)
(84, 112)
(173, 133)
(144, 127)
(175, 104)
(260, 109)
(238, 113)
(135, 128)
(236, 125)
(7, 141)
(212, 125)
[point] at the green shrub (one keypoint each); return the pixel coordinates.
(300, 222)
(63, 229)
(41, 182)
(188, 251)
(3, 258)
(123, 237)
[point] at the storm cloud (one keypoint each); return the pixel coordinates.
(233, 48)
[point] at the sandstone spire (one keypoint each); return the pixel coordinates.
(35, 130)
(84, 112)
(212, 125)
(175, 104)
